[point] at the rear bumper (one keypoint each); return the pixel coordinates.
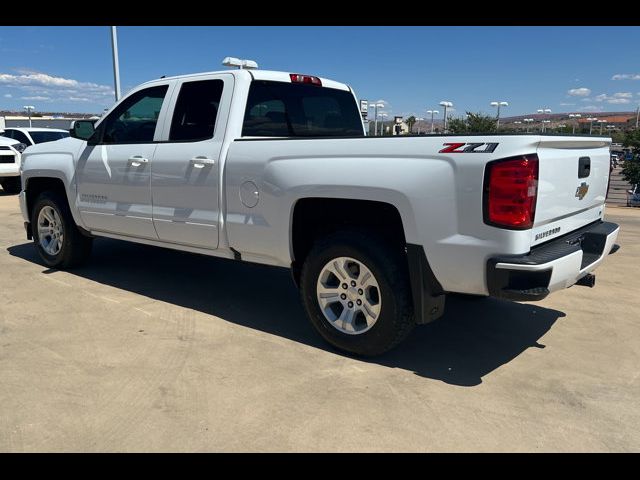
(553, 266)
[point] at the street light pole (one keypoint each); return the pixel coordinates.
(574, 115)
(601, 122)
(543, 111)
(419, 119)
(375, 116)
(29, 109)
(445, 119)
(116, 65)
(591, 120)
(637, 116)
(382, 115)
(432, 112)
(446, 104)
(499, 104)
(528, 122)
(375, 120)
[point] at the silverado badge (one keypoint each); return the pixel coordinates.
(582, 190)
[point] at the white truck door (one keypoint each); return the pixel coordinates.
(114, 169)
(186, 165)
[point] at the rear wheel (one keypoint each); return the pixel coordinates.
(355, 288)
(11, 185)
(59, 242)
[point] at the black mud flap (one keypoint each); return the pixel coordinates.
(428, 295)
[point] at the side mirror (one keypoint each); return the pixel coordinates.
(82, 129)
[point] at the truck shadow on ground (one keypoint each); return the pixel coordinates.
(472, 339)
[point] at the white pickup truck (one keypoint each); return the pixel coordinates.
(275, 168)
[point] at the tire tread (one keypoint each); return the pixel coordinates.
(76, 248)
(390, 259)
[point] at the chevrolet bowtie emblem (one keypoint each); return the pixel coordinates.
(582, 190)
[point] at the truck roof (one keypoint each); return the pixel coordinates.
(257, 74)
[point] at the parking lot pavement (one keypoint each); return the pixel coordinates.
(146, 349)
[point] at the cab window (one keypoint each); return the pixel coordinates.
(135, 119)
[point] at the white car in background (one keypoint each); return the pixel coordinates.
(13, 142)
(10, 154)
(32, 135)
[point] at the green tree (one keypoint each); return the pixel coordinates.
(618, 137)
(473, 123)
(457, 125)
(567, 129)
(631, 169)
(410, 122)
(632, 140)
(631, 172)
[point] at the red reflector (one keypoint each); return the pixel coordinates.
(511, 190)
(298, 78)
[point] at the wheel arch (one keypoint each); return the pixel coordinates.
(314, 217)
(34, 185)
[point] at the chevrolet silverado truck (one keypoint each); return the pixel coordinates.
(275, 168)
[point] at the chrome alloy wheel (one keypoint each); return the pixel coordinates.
(349, 295)
(50, 232)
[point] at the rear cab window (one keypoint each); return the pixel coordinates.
(194, 117)
(280, 109)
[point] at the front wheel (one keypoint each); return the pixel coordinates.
(356, 291)
(59, 242)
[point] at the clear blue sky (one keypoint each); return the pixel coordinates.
(412, 68)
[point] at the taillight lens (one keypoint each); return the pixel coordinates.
(298, 78)
(510, 192)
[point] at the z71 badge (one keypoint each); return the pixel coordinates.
(469, 147)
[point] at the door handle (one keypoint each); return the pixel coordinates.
(201, 161)
(137, 160)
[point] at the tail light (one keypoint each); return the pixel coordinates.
(510, 192)
(298, 78)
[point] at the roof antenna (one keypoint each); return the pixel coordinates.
(240, 63)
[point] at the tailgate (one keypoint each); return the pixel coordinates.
(572, 185)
